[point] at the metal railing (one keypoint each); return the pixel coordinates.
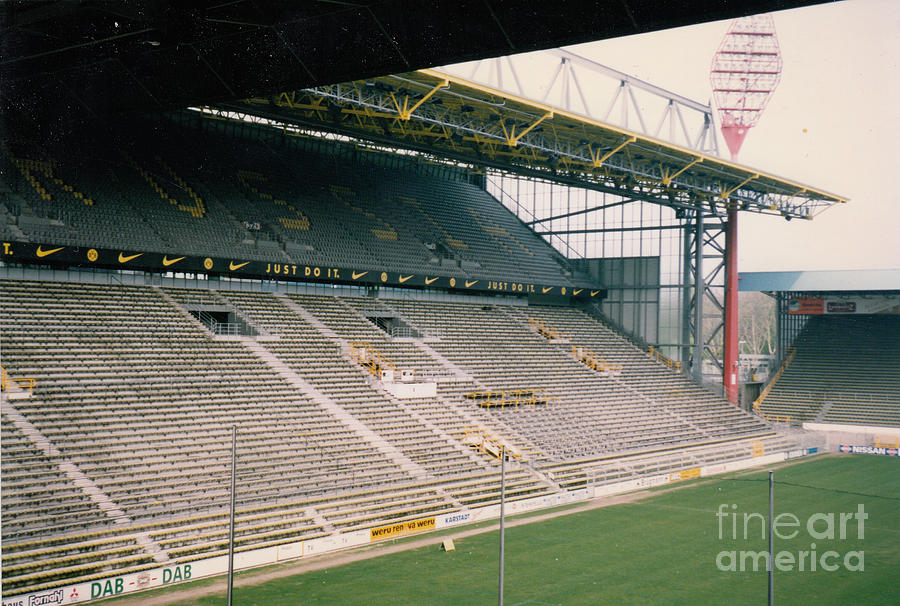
(219, 328)
(403, 332)
(545, 330)
(226, 328)
(486, 443)
(6, 382)
(887, 441)
(370, 359)
(508, 397)
(786, 419)
(765, 392)
(434, 374)
(595, 362)
(663, 359)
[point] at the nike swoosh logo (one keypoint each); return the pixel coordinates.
(575, 292)
(594, 292)
(124, 259)
(429, 280)
(234, 267)
(472, 283)
(167, 261)
(43, 253)
(357, 276)
(402, 279)
(546, 289)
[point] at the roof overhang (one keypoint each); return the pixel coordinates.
(449, 117)
(872, 280)
(60, 59)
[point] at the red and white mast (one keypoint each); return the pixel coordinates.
(745, 71)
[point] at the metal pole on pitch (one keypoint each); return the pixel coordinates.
(771, 538)
(502, 522)
(231, 515)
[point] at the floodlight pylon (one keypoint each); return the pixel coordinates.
(745, 71)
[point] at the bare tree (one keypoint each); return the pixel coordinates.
(756, 323)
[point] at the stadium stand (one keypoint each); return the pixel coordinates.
(844, 370)
(121, 388)
(119, 460)
(129, 424)
(263, 201)
(497, 347)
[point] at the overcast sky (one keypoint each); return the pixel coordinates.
(833, 123)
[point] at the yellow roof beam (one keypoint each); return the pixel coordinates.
(711, 161)
(294, 101)
(512, 139)
(667, 179)
(406, 112)
(725, 193)
(597, 160)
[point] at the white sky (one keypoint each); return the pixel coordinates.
(833, 123)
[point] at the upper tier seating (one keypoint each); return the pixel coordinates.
(846, 370)
(249, 200)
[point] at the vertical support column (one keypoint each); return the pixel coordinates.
(771, 566)
(730, 370)
(502, 520)
(780, 352)
(699, 295)
(686, 297)
(229, 595)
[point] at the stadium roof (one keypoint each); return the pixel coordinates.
(62, 58)
(820, 281)
(450, 117)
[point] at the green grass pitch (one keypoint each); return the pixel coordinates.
(660, 550)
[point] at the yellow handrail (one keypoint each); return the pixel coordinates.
(664, 359)
(545, 330)
(484, 442)
(508, 397)
(593, 361)
(887, 441)
(369, 358)
(6, 381)
(765, 392)
(776, 418)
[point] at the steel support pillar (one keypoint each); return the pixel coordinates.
(704, 296)
(699, 295)
(686, 297)
(730, 367)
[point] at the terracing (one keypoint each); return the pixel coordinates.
(845, 369)
(119, 460)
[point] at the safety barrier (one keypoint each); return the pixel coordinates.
(546, 331)
(786, 419)
(765, 392)
(509, 397)
(219, 328)
(663, 359)
(24, 384)
(887, 442)
(595, 362)
(487, 443)
(370, 359)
